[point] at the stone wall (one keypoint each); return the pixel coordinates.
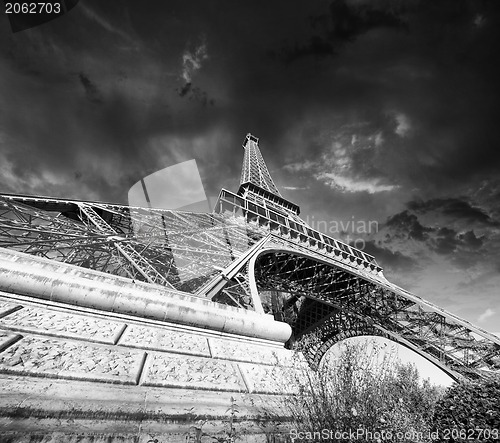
(69, 371)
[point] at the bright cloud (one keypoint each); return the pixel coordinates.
(192, 61)
(486, 314)
(92, 15)
(301, 166)
(348, 184)
(379, 139)
(341, 165)
(294, 188)
(403, 124)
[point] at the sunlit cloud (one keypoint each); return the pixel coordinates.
(92, 15)
(306, 165)
(486, 314)
(348, 184)
(378, 139)
(192, 60)
(341, 167)
(403, 125)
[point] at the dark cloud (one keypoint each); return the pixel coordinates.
(185, 89)
(393, 59)
(351, 20)
(344, 22)
(469, 240)
(442, 240)
(195, 94)
(448, 241)
(407, 225)
(460, 246)
(91, 91)
(453, 207)
(390, 260)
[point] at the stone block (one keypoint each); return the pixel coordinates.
(61, 324)
(192, 372)
(7, 338)
(265, 379)
(242, 351)
(42, 357)
(157, 339)
(7, 307)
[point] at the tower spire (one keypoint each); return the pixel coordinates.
(254, 168)
(256, 183)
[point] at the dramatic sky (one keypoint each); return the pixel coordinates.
(382, 111)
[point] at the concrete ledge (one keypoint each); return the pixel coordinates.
(46, 279)
(39, 410)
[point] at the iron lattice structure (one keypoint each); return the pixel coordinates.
(253, 252)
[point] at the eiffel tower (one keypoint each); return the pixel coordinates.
(252, 252)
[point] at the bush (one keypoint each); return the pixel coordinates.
(363, 391)
(469, 412)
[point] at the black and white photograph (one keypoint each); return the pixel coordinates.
(228, 221)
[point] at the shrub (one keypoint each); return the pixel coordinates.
(367, 392)
(469, 412)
